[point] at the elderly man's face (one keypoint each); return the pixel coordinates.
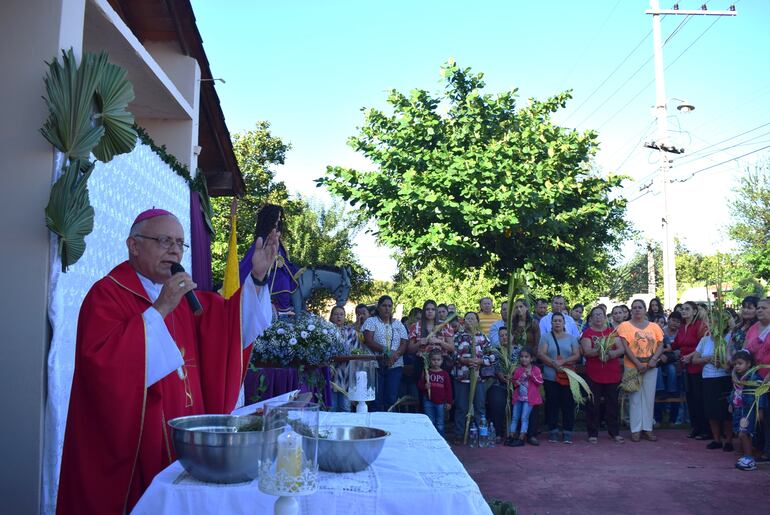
(557, 305)
(147, 256)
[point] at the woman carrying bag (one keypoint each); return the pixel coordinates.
(643, 342)
(558, 349)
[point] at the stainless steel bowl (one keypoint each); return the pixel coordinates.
(211, 448)
(349, 448)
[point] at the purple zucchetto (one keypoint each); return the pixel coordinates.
(151, 213)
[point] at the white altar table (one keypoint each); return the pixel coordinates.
(416, 472)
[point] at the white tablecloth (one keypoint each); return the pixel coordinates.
(416, 472)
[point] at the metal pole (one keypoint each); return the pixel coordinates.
(669, 263)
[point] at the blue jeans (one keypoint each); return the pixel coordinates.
(667, 379)
(388, 381)
(521, 411)
(435, 413)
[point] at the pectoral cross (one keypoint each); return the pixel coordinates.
(182, 373)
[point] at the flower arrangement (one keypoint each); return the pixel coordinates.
(307, 339)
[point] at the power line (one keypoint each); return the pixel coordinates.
(608, 77)
(638, 197)
(691, 154)
(636, 72)
(720, 150)
(719, 164)
(644, 88)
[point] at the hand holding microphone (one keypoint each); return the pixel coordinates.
(180, 283)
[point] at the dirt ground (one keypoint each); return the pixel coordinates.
(673, 475)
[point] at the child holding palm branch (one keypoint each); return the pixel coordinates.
(437, 382)
(527, 380)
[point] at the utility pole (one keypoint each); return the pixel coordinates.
(661, 115)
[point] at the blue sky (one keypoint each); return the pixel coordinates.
(308, 67)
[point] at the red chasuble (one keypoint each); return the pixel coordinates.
(117, 438)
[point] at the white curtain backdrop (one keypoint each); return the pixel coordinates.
(119, 190)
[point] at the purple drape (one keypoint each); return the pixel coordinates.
(200, 246)
(282, 380)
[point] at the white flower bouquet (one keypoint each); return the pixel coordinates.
(304, 340)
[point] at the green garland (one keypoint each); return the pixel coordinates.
(198, 184)
(180, 169)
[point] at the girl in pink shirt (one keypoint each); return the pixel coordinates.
(527, 380)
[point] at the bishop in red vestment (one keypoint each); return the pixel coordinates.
(143, 358)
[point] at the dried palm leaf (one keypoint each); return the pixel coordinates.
(576, 383)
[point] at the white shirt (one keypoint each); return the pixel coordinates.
(381, 329)
(570, 327)
(706, 349)
(163, 356)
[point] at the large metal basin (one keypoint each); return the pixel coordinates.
(211, 448)
(349, 448)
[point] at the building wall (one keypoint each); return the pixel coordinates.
(31, 32)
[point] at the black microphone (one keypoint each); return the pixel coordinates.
(192, 300)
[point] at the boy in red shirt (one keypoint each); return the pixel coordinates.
(436, 386)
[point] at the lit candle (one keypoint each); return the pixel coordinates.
(289, 459)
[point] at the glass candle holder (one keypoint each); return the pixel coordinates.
(290, 456)
(362, 382)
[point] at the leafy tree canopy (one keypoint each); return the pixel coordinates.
(487, 183)
(751, 219)
(431, 282)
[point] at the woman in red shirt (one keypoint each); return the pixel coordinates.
(690, 333)
(603, 375)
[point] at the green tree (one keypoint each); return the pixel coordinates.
(463, 289)
(486, 183)
(751, 219)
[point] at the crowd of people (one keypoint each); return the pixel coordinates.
(645, 351)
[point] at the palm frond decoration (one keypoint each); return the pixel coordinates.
(70, 89)
(113, 94)
(86, 113)
(69, 213)
(576, 384)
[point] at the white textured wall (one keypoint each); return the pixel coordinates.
(119, 190)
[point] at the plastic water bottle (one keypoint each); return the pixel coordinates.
(473, 435)
(483, 433)
(492, 435)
